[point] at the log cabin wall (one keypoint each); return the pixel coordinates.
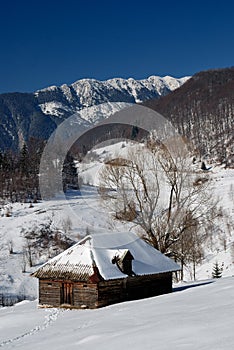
(93, 295)
(135, 287)
(49, 293)
(148, 286)
(85, 295)
(111, 292)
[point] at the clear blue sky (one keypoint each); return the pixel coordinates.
(54, 42)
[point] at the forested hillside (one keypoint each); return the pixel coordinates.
(203, 110)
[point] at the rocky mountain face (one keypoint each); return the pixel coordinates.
(203, 111)
(36, 115)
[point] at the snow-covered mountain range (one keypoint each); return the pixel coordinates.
(200, 108)
(96, 100)
(26, 115)
(60, 100)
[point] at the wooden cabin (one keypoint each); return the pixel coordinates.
(103, 269)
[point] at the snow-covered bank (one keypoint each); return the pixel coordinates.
(196, 318)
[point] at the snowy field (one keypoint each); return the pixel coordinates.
(193, 317)
(199, 317)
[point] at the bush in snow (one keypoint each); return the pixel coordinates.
(43, 242)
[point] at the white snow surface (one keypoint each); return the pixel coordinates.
(199, 317)
(54, 108)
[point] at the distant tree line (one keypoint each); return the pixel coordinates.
(107, 133)
(19, 173)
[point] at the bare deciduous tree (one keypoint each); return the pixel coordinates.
(28, 251)
(24, 260)
(166, 197)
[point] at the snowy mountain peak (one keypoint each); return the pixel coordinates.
(64, 100)
(151, 84)
(59, 101)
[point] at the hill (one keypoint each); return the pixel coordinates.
(203, 110)
(199, 317)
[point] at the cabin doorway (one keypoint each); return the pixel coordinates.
(67, 293)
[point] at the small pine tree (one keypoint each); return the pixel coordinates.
(24, 162)
(135, 131)
(217, 271)
(70, 177)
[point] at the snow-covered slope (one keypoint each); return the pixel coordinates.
(221, 249)
(200, 317)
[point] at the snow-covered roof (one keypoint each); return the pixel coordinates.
(98, 250)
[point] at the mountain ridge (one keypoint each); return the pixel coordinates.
(88, 92)
(27, 115)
